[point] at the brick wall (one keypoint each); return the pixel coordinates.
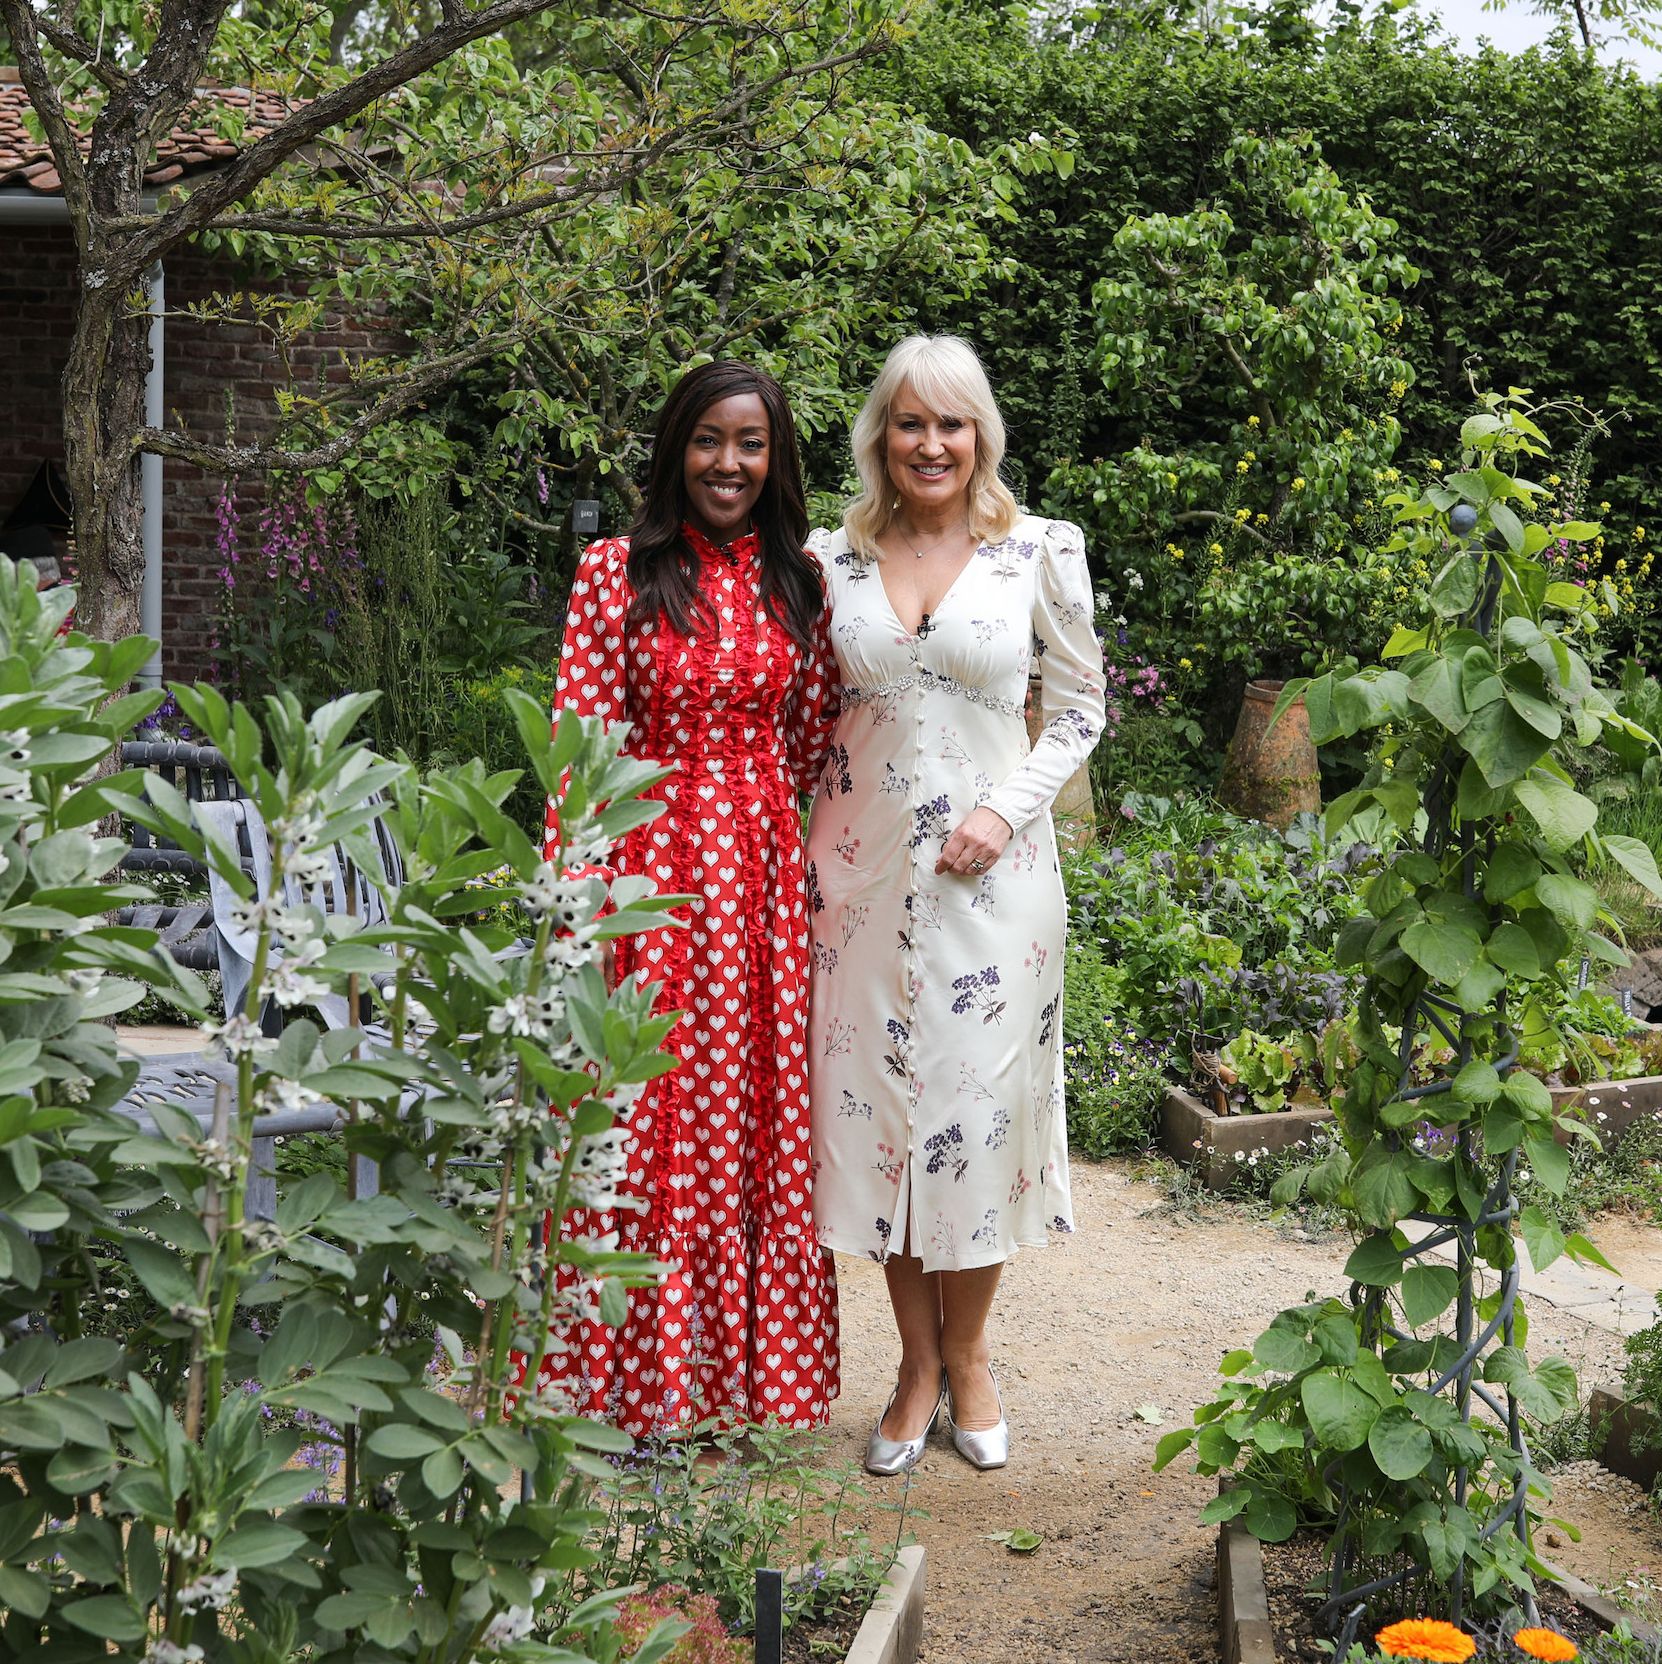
(208, 366)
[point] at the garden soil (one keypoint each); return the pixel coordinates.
(1103, 1342)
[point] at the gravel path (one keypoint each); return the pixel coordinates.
(1132, 1313)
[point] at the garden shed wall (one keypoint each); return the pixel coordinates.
(210, 368)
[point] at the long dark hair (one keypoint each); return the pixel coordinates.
(664, 570)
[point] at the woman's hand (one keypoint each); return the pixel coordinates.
(976, 842)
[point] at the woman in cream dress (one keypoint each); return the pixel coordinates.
(934, 889)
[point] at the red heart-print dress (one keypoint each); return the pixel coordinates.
(744, 1328)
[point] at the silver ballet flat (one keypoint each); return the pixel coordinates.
(990, 1446)
(887, 1457)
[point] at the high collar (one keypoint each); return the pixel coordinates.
(741, 551)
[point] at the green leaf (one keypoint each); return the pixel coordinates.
(1513, 949)
(1225, 1506)
(1340, 1413)
(1568, 899)
(1445, 952)
(1477, 1083)
(1542, 1238)
(1270, 1518)
(1562, 813)
(442, 1472)
(1375, 1261)
(108, 1617)
(1637, 860)
(1399, 1444)
(1285, 1350)
(1427, 1291)
(1551, 1162)
(400, 1442)
(258, 1543)
(1383, 1186)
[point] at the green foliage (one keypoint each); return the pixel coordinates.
(1265, 1070)
(1206, 925)
(1501, 217)
(150, 1499)
(1479, 712)
(1642, 1373)
(1276, 299)
(711, 1515)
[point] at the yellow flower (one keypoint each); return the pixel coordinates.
(1174, 551)
(1171, 479)
(1553, 479)
(1252, 456)
(1242, 467)
(1547, 1645)
(1216, 549)
(1398, 388)
(1252, 421)
(1242, 515)
(1263, 519)
(1638, 534)
(1604, 508)
(1429, 1639)
(1392, 476)
(1621, 565)
(1298, 483)
(1435, 466)
(1185, 664)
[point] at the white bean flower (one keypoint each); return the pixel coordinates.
(208, 1593)
(238, 1037)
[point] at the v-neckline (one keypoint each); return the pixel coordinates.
(934, 611)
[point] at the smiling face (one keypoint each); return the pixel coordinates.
(930, 457)
(726, 465)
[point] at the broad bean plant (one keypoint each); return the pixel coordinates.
(154, 1504)
(1471, 935)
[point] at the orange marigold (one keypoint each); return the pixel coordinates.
(1429, 1639)
(1547, 1645)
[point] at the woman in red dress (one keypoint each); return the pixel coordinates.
(705, 630)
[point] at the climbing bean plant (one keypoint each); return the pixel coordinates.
(1358, 1412)
(155, 1498)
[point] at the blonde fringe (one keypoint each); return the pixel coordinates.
(946, 374)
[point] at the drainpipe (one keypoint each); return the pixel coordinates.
(150, 484)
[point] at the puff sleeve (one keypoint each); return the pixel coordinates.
(1072, 687)
(592, 679)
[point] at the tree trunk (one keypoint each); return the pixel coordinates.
(109, 358)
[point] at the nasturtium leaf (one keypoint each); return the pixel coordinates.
(1270, 1517)
(1225, 1505)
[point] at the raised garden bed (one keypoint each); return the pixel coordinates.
(892, 1631)
(1216, 1145)
(1248, 1636)
(1629, 1438)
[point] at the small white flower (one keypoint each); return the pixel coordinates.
(507, 1627)
(276, 1094)
(209, 1592)
(1035, 138)
(237, 1038)
(164, 1651)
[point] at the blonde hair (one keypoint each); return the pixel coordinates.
(945, 373)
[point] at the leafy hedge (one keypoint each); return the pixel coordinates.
(1527, 190)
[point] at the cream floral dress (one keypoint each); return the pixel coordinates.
(935, 1020)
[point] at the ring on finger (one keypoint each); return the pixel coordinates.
(977, 866)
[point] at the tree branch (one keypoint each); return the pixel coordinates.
(403, 391)
(21, 24)
(1190, 515)
(259, 161)
(73, 46)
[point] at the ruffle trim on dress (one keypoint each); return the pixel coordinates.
(743, 1329)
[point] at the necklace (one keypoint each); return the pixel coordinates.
(940, 543)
